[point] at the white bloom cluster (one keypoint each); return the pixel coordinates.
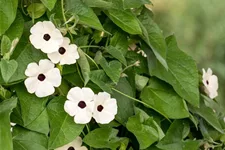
(43, 77)
(210, 82)
(74, 145)
(83, 104)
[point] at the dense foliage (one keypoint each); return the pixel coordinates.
(161, 99)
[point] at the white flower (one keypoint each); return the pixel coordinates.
(105, 108)
(66, 54)
(12, 125)
(74, 145)
(80, 104)
(46, 37)
(210, 82)
(42, 78)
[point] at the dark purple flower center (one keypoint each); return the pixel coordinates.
(62, 50)
(46, 37)
(71, 148)
(207, 82)
(100, 108)
(82, 104)
(41, 77)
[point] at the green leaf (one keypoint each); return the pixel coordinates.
(162, 98)
(125, 20)
(112, 69)
(28, 55)
(8, 68)
(84, 66)
(127, 4)
(28, 140)
(99, 77)
(50, 4)
(104, 138)
(32, 110)
(86, 14)
(145, 134)
(153, 36)
(175, 135)
(208, 115)
(182, 73)
(98, 3)
(120, 41)
(125, 105)
(8, 10)
(63, 128)
(140, 82)
(36, 10)
(5, 45)
(16, 29)
(116, 54)
(5, 134)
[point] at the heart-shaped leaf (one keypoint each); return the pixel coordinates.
(112, 69)
(8, 68)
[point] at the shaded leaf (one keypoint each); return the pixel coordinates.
(16, 29)
(5, 45)
(86, 14)
(112, 69)
(49, 3)
(8, 68)
(125, 20)
(28, 140)
(207, 114)
(8, 10)
(84, 66)
(153, 36)
(5, 110)
(162, 98)
(99, 77)
(63, 128)
(182, 73)
(104, 138)
(127, 4)
(36, 10)
(32, 110)
(145, 134)
(125, 105)
(116, 54)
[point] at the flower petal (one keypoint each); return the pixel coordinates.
(71, 107)
(88, 94)
(54, 57)
(103, 117)
(83, 116)
(45, 65)
(111, 106)
(32, 69)
(48, 25)
(44, 89)
(50, 46)
(37, 28)
(77, 142)
(70, 56)
(36, 40)
(54, 77)
(31, 84)
(75, 94)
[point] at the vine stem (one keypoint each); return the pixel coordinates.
(87, 46)
(137, 100)
(91, 59)
(64, 19)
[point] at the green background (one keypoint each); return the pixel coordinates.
(199, 26)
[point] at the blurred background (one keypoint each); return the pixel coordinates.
(199, 26)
